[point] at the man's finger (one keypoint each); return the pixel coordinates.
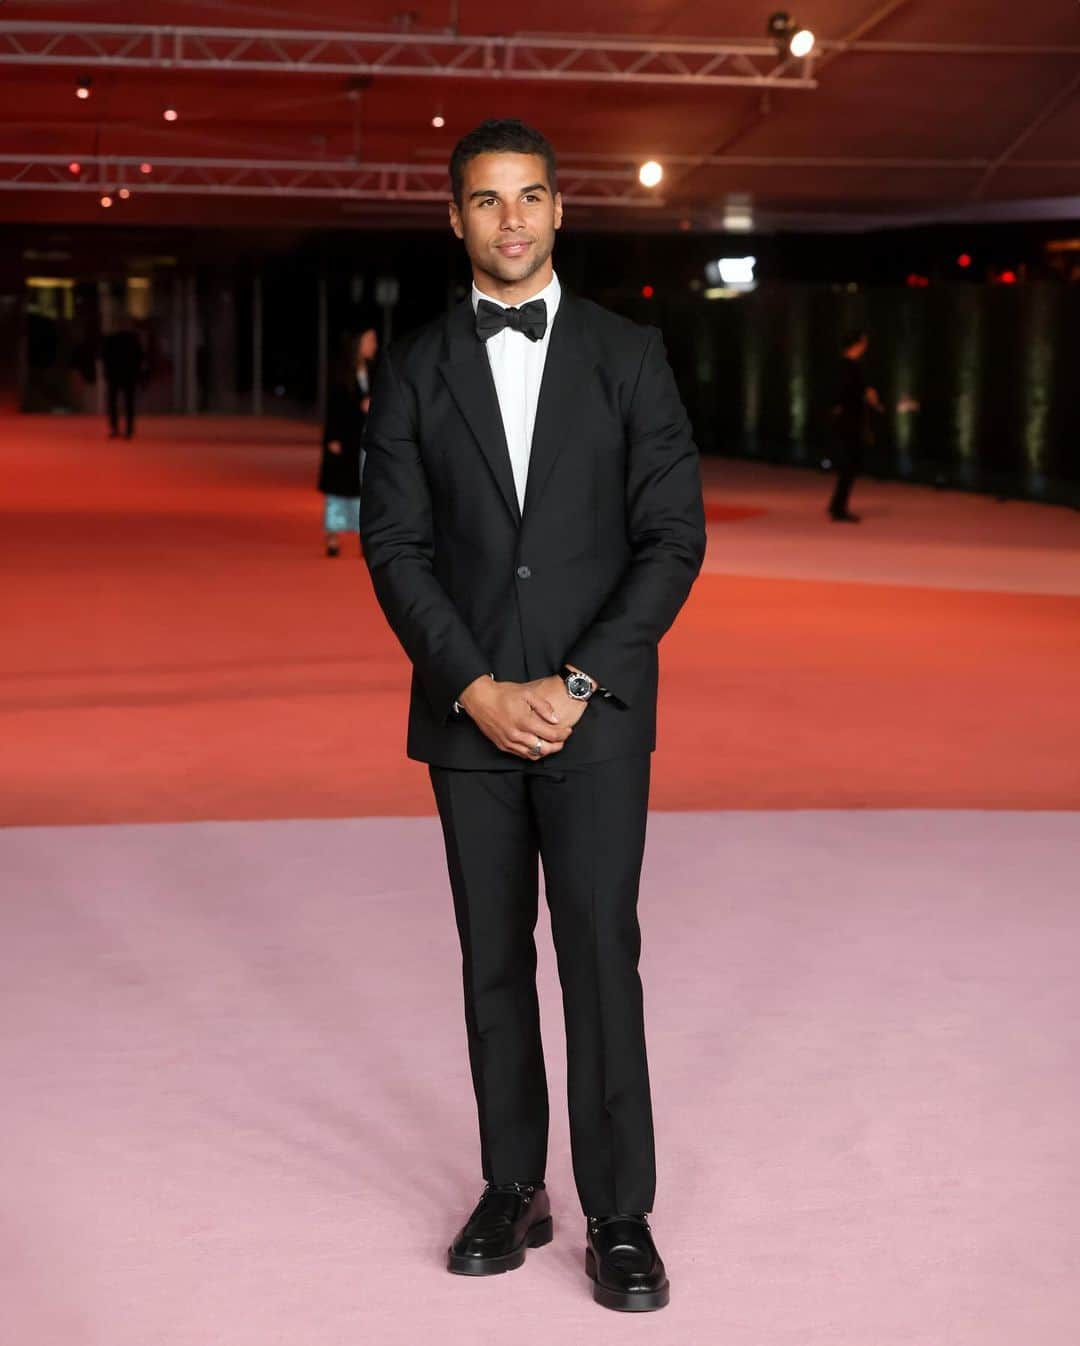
(543, 707)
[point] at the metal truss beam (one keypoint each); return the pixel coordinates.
(539, 58)
(346, 181)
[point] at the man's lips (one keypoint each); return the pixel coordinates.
(516, 248)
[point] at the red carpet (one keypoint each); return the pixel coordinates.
(177, 647)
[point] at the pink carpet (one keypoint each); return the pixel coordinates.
(237, 1111)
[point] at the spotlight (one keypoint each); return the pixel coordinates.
(124, 193)
(170, 114)
(790, 40)
(106, 201)
(74, 168)
(438, 121)
(83, 87)
(647, 292)
(650, 173)
(146, 168)
(801, 44)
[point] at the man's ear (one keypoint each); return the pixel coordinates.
(558, 209)
(455, 220)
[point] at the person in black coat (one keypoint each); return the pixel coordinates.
(341, 467)
(851, 425)
(123, 358)
(533, 522)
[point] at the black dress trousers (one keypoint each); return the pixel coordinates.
(587, 826)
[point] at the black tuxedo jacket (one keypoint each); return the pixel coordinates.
(592, 574)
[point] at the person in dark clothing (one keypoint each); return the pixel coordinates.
(342, 458)
(852, 431)
(123, 359)
(533, 523)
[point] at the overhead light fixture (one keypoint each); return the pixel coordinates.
(106, 201)
(124, 193)
(74, 168)
(83, 87)
(650, 173)
(146, 168)
(790, 39)
(438, 121)
(801, 44)
(728, 276)
(170, 114)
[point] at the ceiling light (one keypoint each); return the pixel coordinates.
(75, 168)
(124, 193)
(83, 87)
(802, 43)
(438, 121)
(650, 173)
(146, 168)
(106, 201)
(170, 114)
(790, 40)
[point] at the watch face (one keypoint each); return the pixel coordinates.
(579, 686)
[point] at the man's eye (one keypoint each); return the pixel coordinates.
(488, 201)
(531, 196)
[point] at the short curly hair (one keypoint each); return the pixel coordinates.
(504, 135)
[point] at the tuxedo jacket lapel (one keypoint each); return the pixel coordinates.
(468, 376)
(567, 369)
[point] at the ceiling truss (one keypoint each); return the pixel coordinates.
(538, 58)
(589, 185)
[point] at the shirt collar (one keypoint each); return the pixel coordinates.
(549, 294)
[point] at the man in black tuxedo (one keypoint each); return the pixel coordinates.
(533, 523)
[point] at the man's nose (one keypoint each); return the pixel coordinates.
(511, 216)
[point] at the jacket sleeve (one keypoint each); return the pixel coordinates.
(666, 524)
(397, 530)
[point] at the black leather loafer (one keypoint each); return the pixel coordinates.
(622, 1262)
(509, 1218)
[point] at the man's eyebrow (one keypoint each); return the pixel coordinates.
(490, 191)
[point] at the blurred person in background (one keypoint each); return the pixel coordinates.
(347, 405)
(852, 428)
(124, 361)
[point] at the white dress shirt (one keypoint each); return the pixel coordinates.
(517, 366)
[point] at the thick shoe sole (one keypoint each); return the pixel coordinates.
(640, 1301)
(540, 1234)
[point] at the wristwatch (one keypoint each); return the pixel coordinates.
(578, 686)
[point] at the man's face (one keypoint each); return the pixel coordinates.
(508, 216)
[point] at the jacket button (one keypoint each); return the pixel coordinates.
(524, 573)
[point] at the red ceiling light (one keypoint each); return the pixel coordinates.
(83, 87)
(1008, 278)
(647, 292)
(170, 114)
(74, 168)
(124, 193)
(964, 260)
(915, 281)
(146, 168)
(106, 201)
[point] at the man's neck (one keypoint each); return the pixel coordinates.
(514, 293)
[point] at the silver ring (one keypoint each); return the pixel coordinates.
(538, 751)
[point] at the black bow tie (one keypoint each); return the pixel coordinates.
(530, 319)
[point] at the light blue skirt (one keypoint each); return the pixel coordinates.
(342, 514)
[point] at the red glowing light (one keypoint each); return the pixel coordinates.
(123, 193)
(146, 168)
(917, 282)
(74, 167)
(964, 259)
(1008, 278)
(170, 114)
(647, 292)
(106, 201)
